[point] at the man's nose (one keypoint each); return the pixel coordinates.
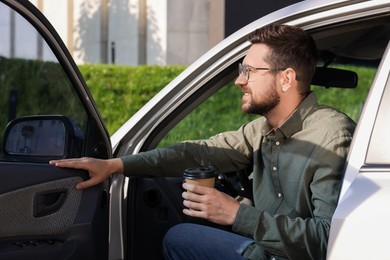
(240, 80)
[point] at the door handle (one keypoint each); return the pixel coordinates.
(48, 202)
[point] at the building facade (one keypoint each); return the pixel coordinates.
(132, 32)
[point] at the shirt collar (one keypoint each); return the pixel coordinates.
(294, 122)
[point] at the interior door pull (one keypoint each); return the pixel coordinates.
(48, 202)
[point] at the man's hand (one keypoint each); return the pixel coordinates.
(210, 204)
(99, 170)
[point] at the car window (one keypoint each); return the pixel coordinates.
(378, 149)
(32, 81)
(220, 112)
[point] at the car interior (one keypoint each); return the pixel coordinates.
(156, 201)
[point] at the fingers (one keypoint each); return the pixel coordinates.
(86, 184)
(198, 189)
(196, 197)
(192, 200)
(76, 163)
(209, 203)
(96, 170)
(195, 213)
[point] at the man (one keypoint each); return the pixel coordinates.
(297, 149)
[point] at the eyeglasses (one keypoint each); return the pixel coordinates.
(245, 69)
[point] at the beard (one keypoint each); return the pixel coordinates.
(269, 101)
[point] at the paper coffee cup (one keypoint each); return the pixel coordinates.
(204, 176)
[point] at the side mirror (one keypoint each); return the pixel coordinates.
(42, 138)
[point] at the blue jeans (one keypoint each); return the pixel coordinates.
(192, 241)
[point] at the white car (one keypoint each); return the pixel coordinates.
(47, 112)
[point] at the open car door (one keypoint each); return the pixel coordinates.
(46, 113)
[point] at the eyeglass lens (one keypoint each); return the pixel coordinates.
(244, 70)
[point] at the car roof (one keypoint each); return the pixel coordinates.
(344, 31)
(362, 41)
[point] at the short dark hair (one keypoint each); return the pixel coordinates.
(291, 47)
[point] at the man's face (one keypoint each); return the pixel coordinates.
(260, 95)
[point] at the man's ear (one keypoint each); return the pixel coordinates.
(288, 78)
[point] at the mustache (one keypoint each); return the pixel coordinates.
(245, 90)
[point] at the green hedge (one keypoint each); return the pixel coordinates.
(120, 91)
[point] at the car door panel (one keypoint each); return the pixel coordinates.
(43, 210)
(46, 208)
(42, 215)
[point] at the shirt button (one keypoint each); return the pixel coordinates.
(277, 143)
(279, 195)
(274, 168)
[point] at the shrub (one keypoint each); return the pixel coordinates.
(120, 91)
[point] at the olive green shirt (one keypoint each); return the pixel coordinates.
(297, 169)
